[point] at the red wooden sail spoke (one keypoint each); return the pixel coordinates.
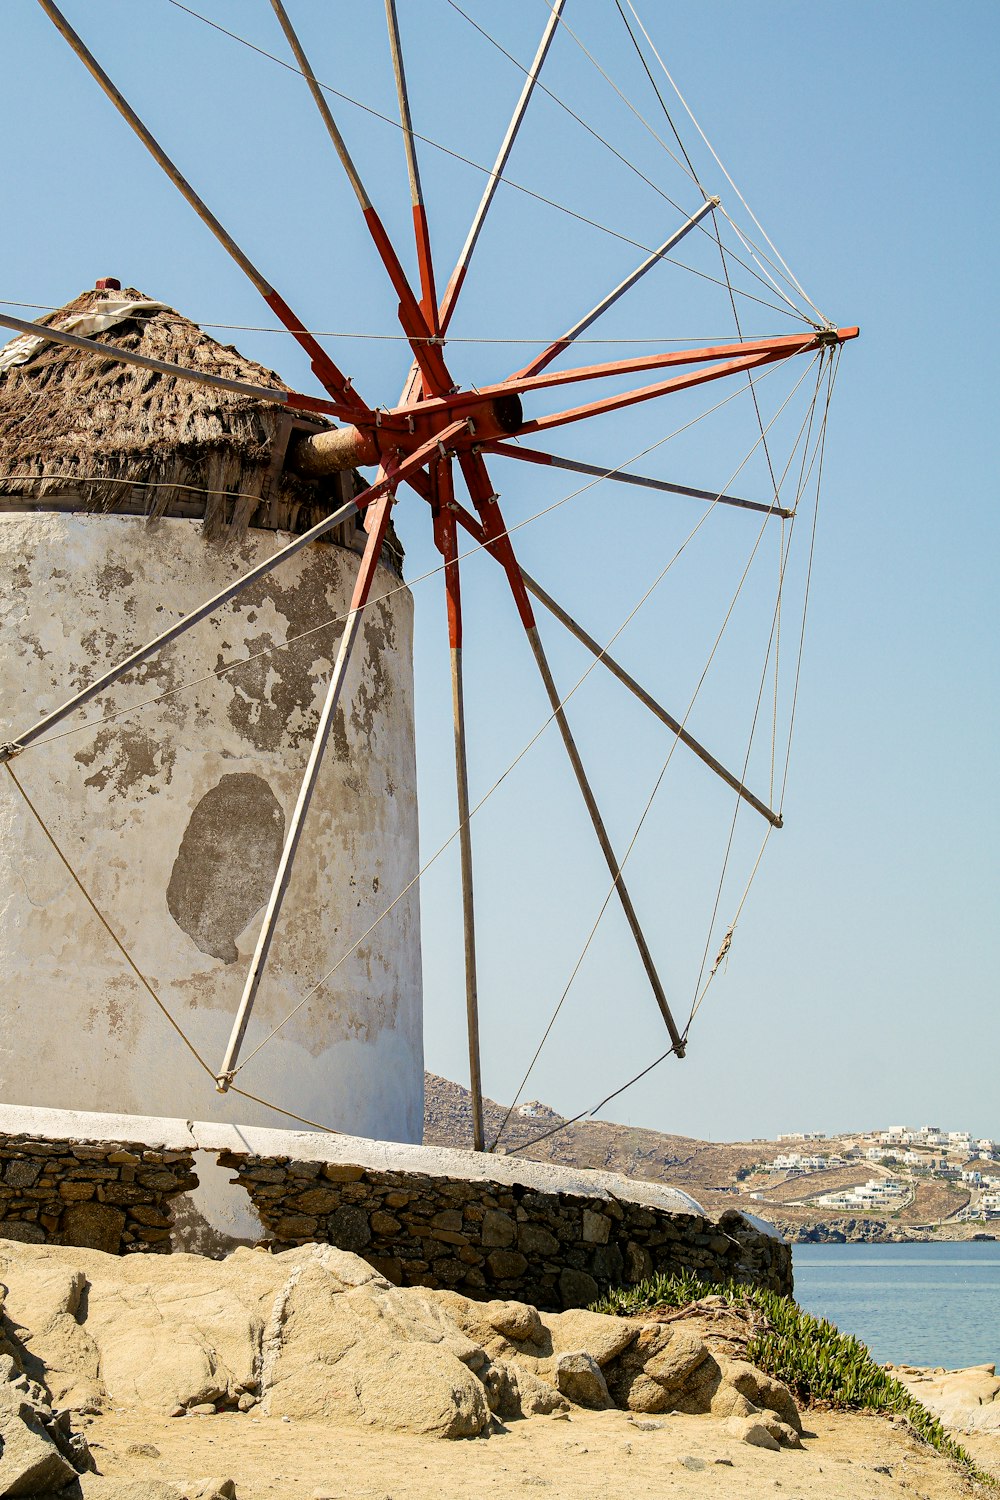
(416, 327)
(750, 354)
(327, 373)
(421, 233)
(786, 344)
(651, 392)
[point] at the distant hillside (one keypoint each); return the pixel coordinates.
(719, 1175)
(702, 1168)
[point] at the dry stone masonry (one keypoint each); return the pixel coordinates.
(488, 1239)
(490, 1227)
(112, 1196)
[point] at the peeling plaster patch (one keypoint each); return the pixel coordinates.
(372, 694)
(341, 748)
(226, 863)
(268, 694)
(126, 757)
(112, 578)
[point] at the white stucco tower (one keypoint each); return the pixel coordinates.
(126, 498)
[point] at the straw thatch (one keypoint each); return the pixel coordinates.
(77, 430)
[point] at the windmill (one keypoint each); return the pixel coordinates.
(439, 442)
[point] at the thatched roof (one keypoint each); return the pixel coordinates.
(73, 424)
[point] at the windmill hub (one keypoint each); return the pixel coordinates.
(406, 428)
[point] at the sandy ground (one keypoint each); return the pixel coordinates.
(608, 1455)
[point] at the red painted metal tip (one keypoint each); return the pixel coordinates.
(843, 334)
(108, 284)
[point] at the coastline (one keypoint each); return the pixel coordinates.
(871, 1230)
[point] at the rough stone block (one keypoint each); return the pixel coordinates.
(580, 1378)
(151, 1235)
(296, 1227)
(608, 1264)
(24, 1233)
(317, 1200)
(22, 1174)
(596, 1227)
(159, 1182)
(506, 1264)
(335, 1172)
(498, 1229)
(93, 1226)
(534, 1239)
(577, 1288)
(638, 1262)
(348, 1229)
(30, 1462)
(383, 1223)
(77, 1191)
(147, 1213)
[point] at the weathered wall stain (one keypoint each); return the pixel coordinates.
(128, 760)
(226, 863)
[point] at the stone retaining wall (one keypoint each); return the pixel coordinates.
(491, 1240)
(112, 1195)
(488, 1226)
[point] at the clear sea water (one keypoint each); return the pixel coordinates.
(934, 1304)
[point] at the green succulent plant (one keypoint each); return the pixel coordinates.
(819, 1364)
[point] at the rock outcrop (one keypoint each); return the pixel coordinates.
(966, 1400)
(316, 1333)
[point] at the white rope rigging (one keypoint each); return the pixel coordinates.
(728, 936)
(666, 764)
(817, 460)
(540, 84)
(793, 280)
(688, 169)
(403, 338)
(477, 166)
(763, 680)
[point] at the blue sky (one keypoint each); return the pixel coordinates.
(861, 982)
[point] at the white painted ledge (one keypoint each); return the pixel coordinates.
(158, 1134)
(83, 1127)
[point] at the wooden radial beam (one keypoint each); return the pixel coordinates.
(332, 379)
(625, 476)
(445, 538)
(540, 361)
(421, 233)
(418, 331)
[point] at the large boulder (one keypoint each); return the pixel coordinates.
(316, 1333)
